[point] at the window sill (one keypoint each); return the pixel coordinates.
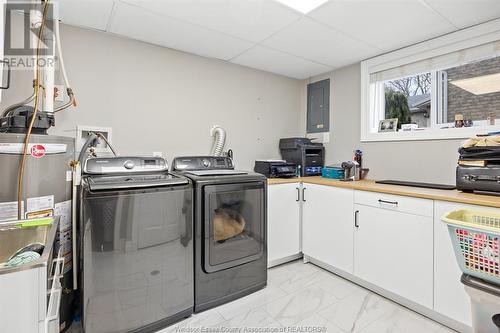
(429, 134)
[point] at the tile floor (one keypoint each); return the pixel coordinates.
(304, 296)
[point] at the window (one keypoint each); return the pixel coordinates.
(472, 90)
(434, 91)
(408, 99)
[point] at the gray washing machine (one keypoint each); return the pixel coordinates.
(136, 247)
(230, 234)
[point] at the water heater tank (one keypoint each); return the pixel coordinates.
(47, 190)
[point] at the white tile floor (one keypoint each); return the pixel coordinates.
(305, 296)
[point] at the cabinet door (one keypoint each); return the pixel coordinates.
(328, 222)
(450, 297)
(19, 301)
(394, 251)
(283, 223)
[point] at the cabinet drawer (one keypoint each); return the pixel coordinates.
(397, 203)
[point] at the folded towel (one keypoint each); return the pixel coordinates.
(486, 141)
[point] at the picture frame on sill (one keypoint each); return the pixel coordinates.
(388, 125)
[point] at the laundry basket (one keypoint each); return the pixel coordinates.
(475, 237)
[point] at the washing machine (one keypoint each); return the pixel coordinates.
(136, 245)
(230, 241)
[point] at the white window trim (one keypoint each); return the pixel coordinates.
(456, 41)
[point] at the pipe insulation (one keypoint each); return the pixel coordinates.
(60, 54)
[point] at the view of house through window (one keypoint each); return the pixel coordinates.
(409, 100)
(469, 93)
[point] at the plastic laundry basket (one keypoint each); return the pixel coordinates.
(475, 237)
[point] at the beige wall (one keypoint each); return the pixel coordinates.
(425, 161)
(158, 99)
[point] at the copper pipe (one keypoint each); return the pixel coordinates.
(32, 122)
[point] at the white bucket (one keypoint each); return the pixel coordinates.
(484, 307)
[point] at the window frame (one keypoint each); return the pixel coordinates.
(475, 36)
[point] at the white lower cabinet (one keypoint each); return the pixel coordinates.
(396, 243)
(394, 251)
(19, 305)
(450, 297)
(26, 306)
(328, 222)
(283, 222)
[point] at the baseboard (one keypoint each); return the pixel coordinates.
(277, 262)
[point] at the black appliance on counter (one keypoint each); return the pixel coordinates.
(478, 170)
(309, 155)
(230, 223)
(275, 168)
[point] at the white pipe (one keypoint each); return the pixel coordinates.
(60, 54)
(48, 74)
(35, 23)
(73, 226)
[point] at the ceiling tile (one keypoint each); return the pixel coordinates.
(387, 24)
(465, 13)
(252, 20)
(273, 61)
(303, 6)
(90, 13)
(315, 41)
(143, 25)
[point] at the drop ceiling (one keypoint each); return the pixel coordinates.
(268, 35)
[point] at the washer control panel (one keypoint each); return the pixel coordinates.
(124, 164)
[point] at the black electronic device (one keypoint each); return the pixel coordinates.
(309, 155)
(276, 168)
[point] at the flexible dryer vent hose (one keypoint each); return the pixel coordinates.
(219, 135)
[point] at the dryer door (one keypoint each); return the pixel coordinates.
(234, 224)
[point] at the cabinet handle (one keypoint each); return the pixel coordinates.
(356, 213)
(304, 194)
(388, 202)
(298, 194)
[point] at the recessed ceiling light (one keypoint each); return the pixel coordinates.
(303, 6)
(479, 85)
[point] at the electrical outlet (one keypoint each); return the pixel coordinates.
(326, 137)
(60, 92)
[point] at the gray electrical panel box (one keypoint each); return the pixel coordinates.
(318, 107)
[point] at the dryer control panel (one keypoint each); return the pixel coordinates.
(202, 163)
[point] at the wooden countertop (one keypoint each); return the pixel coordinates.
(371, 186)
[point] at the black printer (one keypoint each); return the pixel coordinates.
(478, 169)
(309, 155)
(275, 168)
